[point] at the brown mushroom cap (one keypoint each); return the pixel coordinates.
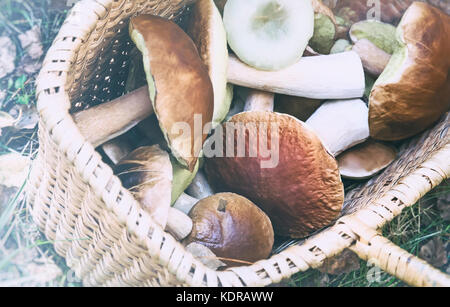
(178, 80)
(413, 91)
(365, 160)
(233, 228)
(303, 193)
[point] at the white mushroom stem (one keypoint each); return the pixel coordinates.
(116, 149)
(185, 203)
(341, 124)
(336, 76)
(259, 101)
(200, 188)
(373, 58)
(178, 224)
(205, 255)
(104, 122)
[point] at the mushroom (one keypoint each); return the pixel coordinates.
(205, 27)
(269, 34)
(177, 80)
(379, 33)
(199, 188)
(147, 173)
(413, 91)
(232, 227)
(296, 182)
(341, 45)
(341, 124)
(374, 59)
(335, 76)
(365, 160)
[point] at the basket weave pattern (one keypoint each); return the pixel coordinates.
(103, 233)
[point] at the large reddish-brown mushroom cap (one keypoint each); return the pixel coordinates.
(302, 193)
(178, 80)
(413, 91)
(233, 227)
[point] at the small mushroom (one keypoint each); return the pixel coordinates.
(365, 160)
(269, 34)
(341, 124)
(147, 173)
(233, 227)
(297, 183)
(413, 91)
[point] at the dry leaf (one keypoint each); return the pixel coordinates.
(7, 56)
(343, 263)
(434, 252)
(31, 42)
(13, 169)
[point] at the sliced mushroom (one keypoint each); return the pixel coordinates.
(268, 34)
(341, 124)
(366, 160)
(413, 91)
(234, 228)
(147, 173)
(297, 183)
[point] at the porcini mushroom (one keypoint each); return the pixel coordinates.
(365, 160)
(205, 27)
(341, 124)
(336, 76)
(413, 91)
(177, 80)
(285, 170)
(269, 34)
(147, 173)
(233, 227)
(374, 59)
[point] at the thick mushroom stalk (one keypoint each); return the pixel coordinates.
(335, 76)
(105, 122)
(341, 124)
(259, 101)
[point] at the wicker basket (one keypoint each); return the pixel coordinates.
(102, 232)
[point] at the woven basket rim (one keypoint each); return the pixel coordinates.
(53, 105)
